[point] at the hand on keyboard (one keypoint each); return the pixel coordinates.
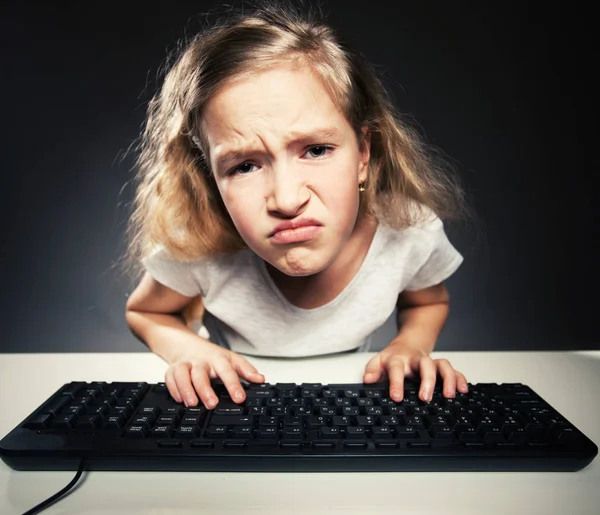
(399, 361)
(189, 376)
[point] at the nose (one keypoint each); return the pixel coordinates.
(288, 194)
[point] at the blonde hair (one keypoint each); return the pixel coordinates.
(177, 204)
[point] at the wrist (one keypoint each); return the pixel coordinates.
(415, 342)
(170, 339)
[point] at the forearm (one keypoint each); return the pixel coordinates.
(420, 326)
(166, 335)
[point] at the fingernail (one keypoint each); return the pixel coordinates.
(190, 401)
(426, 395)
(239, 396)
(210, 403)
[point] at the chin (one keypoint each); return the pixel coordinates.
(300, 263)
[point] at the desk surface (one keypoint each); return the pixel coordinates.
(570, 382)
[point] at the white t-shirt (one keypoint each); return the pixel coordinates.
(247, 313)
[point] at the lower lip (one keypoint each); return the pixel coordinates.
(299, 234)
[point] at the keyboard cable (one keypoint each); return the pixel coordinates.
(51, 500)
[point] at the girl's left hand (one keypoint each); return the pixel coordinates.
(398, 361)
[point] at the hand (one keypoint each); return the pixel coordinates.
(192, 372)
(400, 360)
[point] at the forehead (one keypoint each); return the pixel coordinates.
(276, 100)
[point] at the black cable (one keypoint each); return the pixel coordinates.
(51, 500)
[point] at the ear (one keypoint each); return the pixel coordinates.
(364, 154)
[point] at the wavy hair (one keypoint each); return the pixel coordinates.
(177, 204)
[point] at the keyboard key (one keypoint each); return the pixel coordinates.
(355, 444)
(229, 420)
(215, 431)
(235, 444)
(161, 431)
(418, 444)
(191, 420)
(328, 432)
(385, 444)
(72, 389)
(242, 432)
(323, 445)
(355, 432)
(187, 431)
(148, 420)
(64, 422)
(406, 432)
(439, 432)
(40, 422)
(202, 444)
(229, 411)
(170, 444)
(57, 405)
(136, 432)
(89, 421)
(268, 432)
(290, 445)
(153, 411)
(114, 420)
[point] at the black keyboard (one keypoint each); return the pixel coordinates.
(297, 427)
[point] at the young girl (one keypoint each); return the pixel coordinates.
(279, 189)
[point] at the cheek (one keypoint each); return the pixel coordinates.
(242, 207)
(340, 193)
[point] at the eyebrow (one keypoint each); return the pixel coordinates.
(324, 134)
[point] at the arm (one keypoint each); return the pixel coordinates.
(156, 315)
(421, 317)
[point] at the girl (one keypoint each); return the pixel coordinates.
(279, 188)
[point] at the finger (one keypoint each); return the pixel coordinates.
(461, 382)
(428, 375)
(373, 370)
(246, 370)
(201, 382)
(181, 373)
(448, 377)
(395, 372)
(171, 385)
(230, 379)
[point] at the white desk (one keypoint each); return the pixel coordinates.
(570, 382)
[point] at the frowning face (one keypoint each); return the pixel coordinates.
(287, 165)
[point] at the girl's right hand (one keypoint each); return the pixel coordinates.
(189, 376)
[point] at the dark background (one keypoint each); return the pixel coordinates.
(504, 89)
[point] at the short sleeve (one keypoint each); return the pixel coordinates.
(442, 259)
(181, 276)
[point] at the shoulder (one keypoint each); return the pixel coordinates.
(424, 227)
(160, 255)
(423, 218)
(203, 273)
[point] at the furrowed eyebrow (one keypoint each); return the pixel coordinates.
(225, 157)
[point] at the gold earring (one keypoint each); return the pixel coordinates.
(361, 186)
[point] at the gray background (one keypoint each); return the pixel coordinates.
(503, 88)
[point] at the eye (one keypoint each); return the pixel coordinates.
(241, 169)
(320, 150)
